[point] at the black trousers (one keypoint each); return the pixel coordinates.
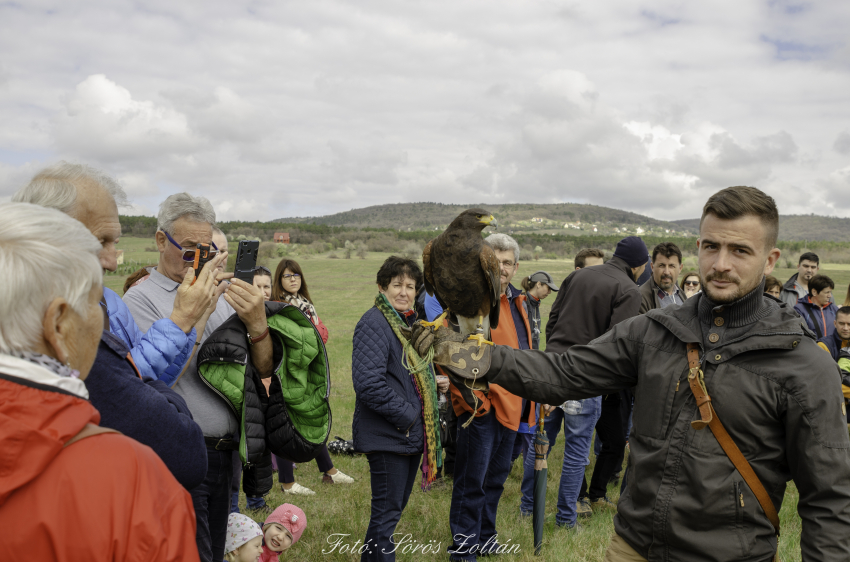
(611, 429)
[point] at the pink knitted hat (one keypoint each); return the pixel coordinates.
(291, 517)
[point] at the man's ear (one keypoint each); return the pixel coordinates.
(56, 327)
(772, 257)
(161, 241)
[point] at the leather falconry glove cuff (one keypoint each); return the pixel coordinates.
(464, 358)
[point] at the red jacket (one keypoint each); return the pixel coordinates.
(104, 497)
(506, 406)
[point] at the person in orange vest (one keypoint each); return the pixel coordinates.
(487, 427)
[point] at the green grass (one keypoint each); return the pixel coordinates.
(343, 290)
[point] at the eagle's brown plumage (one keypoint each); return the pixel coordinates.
(462, 270)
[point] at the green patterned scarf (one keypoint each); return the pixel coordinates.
(426, 388)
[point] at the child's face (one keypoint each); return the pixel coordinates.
(251, 550)
(278, 538)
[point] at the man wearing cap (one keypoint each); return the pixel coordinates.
(590, 302)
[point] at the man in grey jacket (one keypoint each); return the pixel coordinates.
(777, 394)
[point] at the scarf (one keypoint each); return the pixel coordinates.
(426, 389)
(49, 363)
(304, 305)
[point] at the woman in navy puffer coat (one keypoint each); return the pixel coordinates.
(387, 424)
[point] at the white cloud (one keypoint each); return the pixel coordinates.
(278, 109)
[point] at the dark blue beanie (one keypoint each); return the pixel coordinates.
(632, 250)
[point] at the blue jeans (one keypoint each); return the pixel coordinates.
(211, 499)
(552, 426)
(392, 481)
(481, 468)
(578, 429)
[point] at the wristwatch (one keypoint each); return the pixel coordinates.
(252, 340)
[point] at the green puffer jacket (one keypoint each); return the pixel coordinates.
(293, 419)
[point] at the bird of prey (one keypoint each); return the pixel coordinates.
(462, 270)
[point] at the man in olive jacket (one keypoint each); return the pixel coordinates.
(777, 394)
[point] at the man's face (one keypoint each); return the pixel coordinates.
(733, 257)
(507, 267)
(842, 326)
(822, 298)
(220, 241)
(96, 209)
(665, 271)
(806, 270)
(188, 234)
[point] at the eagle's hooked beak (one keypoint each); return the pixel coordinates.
(490, 221)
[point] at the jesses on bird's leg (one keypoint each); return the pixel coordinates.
(479, 334)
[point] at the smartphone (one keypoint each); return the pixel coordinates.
(246, 260)
(202, 256)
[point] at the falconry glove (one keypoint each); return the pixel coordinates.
(460, 357)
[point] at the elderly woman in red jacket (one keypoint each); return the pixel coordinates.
(68, 485)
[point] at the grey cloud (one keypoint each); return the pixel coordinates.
(842, 143)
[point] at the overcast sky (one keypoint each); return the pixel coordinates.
(276, 109)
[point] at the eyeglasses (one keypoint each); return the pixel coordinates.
(293, 275)
(262, 270)
(189, 255)
(692, 283)
(507, 264)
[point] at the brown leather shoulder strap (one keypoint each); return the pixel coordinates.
(709, 418)
(88, 431)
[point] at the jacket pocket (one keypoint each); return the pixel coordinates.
(744, 532)
(656, 397)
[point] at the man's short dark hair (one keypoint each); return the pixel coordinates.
(810, 256)
(395, 266)
(819, 283)
(667, 249)
(741, 201)
(843, 310)
(582, 255)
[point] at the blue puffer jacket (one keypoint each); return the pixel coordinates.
(160, 353)
(387, 411)
(821, 321)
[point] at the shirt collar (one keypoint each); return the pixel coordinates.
(163, 281)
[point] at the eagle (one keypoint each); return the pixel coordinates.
(462, 270)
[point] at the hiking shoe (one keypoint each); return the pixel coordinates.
(603, 503)
(574, 528)
(583, 508)
(339, 478)
(260, 513)
(298, 490)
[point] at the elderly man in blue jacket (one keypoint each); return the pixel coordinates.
(125, 395)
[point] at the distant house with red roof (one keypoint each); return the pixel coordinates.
(281, 237)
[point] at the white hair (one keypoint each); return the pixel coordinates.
(44, 254)
(56, 186)
(196, 209)
(502, 243)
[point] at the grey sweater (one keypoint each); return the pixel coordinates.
(153, 300)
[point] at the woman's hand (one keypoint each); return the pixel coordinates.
(442, 383)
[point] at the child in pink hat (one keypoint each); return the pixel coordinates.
(281, 530)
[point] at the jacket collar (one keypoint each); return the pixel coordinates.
(619, 263)
(29, 372)
(655, 288)
(792, 281)
(774, 326)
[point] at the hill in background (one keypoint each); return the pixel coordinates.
(560, 218)
(799, 227)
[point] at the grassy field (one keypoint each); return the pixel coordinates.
(343, 290)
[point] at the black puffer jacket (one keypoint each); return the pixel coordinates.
(295, 427)
(777, 394)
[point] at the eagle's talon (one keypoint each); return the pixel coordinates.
(438, 321)
(480, 339)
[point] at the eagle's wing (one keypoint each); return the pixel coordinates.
(426, 268)
(490, 267)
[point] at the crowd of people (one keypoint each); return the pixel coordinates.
(129, 424)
